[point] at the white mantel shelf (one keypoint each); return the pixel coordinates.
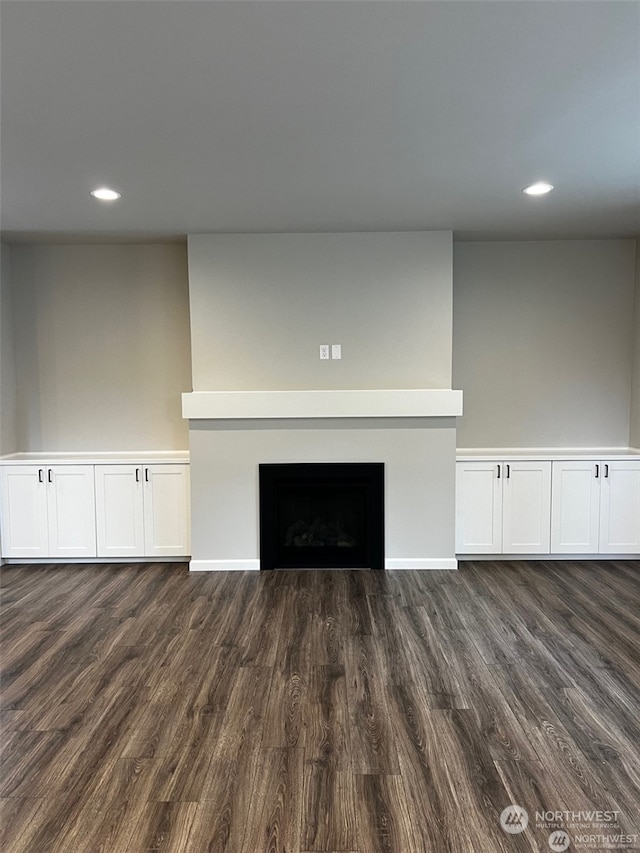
(240, 405)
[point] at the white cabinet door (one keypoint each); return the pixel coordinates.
(143, 510)
(119, 510)
(166, 510)
(575, 507)
(24, 512)
(71, 511)
(526, 513)
(620, 508)
(478, 508)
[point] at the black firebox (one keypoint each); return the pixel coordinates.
(322, 515)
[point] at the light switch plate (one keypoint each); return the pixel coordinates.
(336, 351)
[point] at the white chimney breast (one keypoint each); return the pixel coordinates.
(261, 304)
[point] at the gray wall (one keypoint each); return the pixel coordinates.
(102, 346)
(543, 342)
(634, 431)
(261, 304)
(8, 437)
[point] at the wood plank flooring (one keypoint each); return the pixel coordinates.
(144, 708)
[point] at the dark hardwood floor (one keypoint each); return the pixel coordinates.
(144, 708)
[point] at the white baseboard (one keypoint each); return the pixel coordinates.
(87, 561)
(499, 558)
(224, 565)
(421, 563)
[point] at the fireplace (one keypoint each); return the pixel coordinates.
(282, 295)
(322, 516)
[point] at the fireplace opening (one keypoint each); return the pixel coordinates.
(322, 516)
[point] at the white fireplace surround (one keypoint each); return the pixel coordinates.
(412, 431)
(404, 403)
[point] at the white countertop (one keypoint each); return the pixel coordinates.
(116, 457)
(553, 454)
(463, 454)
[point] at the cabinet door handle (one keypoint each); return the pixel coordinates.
(597, 470)
(50, 476)
(498, 472)
(606, 470)
(137, 475)
(146, 475)
(40, 475)
(508, 467)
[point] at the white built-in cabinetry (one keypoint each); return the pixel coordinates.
(503, 507)
(548, 506)
(596, 507)
(142, 510)
(97, 509)
(48, 511)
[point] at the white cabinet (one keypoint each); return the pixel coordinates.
(48, 511)
(620, 508)
(167, 511)
(143, 510)
(25, 530)
(526, 507)
(119, 510)
(596, 507)
(575, 507)
(478, 508)
(503, 507)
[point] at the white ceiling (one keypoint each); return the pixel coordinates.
(320, 115)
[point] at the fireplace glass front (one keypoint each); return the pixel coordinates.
(322, 516)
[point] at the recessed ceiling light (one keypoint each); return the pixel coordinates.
(541, 188)
(105, 194)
